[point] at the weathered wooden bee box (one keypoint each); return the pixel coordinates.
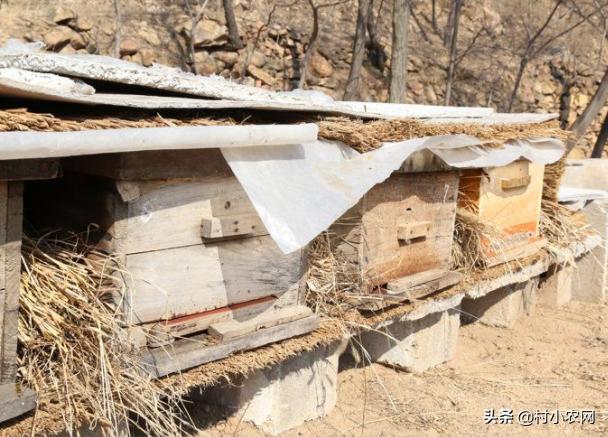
(508, 199)
(195, 253)
(14, 400)
(11, 222)
(398, 238)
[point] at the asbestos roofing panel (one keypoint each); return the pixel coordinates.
(19, 56)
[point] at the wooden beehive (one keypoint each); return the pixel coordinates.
(11, 221)
(509, 200)
(14, 400)
(398, 238)
(197, 256)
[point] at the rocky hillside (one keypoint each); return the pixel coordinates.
(276, 36)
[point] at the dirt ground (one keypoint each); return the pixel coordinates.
(551, 360)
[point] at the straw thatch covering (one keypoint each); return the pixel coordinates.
(558, 224)
(368, 135)
(73, 350)
(23, 120)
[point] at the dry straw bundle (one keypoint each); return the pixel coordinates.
(558, 224)
(369, 135)
(73, 350)
(471, 239)
(329, 279)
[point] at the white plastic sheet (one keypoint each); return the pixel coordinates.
(300, 190)
(29, 145)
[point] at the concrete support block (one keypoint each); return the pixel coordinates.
(555, 288)
(586, 173)
(415, 345)
(286, 395)
(502, 307)
(589, 279)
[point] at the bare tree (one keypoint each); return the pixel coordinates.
(233, 28)
(195, 17)
(457, 7)
(434, 16)
(117, 31)
(256, 41)
(565, 74)
(418, 23)
(312, 42)
(399, 51)
(449, 26)
(376, 53)
(535, 45)
(352, 84)
(598, 148)
(582, 123)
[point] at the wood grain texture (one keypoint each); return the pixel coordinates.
(509, 199)
(169, 330)
(191, 352)
(171, 215)
(152, 165)
(401, 200)
(176, 282)
(11, 220)
(173, 272)
(230, 329)
(368, 235)
(512, 207)
(400, 291)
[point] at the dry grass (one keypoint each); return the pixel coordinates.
(369, 135)
(552, 180)
(73, 350)
(562, 227)
(329, 278)
(471, 238)
(558, 224)
(23, 120)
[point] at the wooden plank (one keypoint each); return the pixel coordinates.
(512, 253)
(421, 290)
(233, 203)
(231, 329)
(177, 282)
(399, 293)
(232, 226)
(414, 198)
(12, 271)
(28, 169)
(150, 165)
(191, 352)
(410, 281)
(171, 215)
(411, 231)
(3, 231)
(182, 326)
(15, 401)
(515, 182)
(516, 206)
(509, 199)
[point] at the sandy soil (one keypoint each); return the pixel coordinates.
(554, 359)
